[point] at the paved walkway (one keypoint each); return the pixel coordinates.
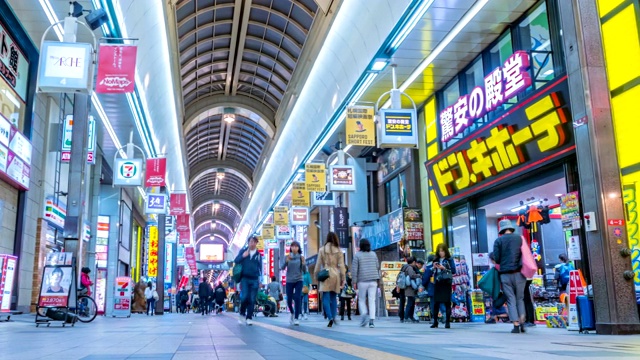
(192, 336)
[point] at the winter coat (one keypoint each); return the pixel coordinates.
(331, 258)
(204, 290)
(426, 279)
(507, 252)
(220, 294)
(365, 267)
(251, 265)
(411, 272)
(86, 282)
(443, 289)
(306, 279)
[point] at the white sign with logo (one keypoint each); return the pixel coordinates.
(65, 67)
(299, 216)
(156, 204)
(67, 133)
(14, 66)
(128, 172)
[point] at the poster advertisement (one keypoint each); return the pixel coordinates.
(122, 297)
(281, 215)
(390, 271)
(391, 162)
(156, 172)
(315, 177)
(116, 69)
(396, 225)
(55, 287)
(299, 194)
(360, 126)
(342, 178)
(573, 248)
(313, 300)
(268, 231)
(477, 306)
(413, 227)
(570, 209)
(58, 258)
(7, 277)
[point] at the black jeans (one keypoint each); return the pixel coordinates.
(447, 307)
(411, 304)
(528, 303)
(294, 296)
(403, 299)
(344, 301)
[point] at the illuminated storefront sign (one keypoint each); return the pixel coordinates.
(152, 263)
(500, 85)
(128, 172)
(397, 128)
(529, 135)
(14, 66)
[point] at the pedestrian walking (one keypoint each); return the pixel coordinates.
(443, 269)
(205, 295)
(219, 296)
(295, 266)
(366, 276)
(345, 297)
(306, 287)
(152, 296)
(331, 263)
(251, 261)
(274, 289)
(507, 253)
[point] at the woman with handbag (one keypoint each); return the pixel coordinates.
(443, 269)
(346, 295)
(294, 263)
(331, 275)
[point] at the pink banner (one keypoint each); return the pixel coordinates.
(190, 256)
(116, 69)
(178, 204)
(156, 172)
(184, 237)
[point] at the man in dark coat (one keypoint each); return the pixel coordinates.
(204, 291)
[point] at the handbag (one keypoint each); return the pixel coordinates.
(529, 266)
(237, 273)
(345, 293)
(305, 289)
(445, 275)
(323, 275)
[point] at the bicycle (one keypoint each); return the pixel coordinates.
(87, 310)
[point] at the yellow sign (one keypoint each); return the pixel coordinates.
(315, 177)
(299, 194)
(260, 245)
(360, 126)
(152, 263)
(281, 215)
(268, 231)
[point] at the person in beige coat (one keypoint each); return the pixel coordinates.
(332, 259)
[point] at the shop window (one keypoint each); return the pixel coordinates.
(461, 234)
(392, 194)
(535, 37)
(498, 54)
(451, 93)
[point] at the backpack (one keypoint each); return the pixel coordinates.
(564, 274)
(402, 280)
(184, 297)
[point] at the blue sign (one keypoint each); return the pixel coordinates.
(385, 231)
(156, 204)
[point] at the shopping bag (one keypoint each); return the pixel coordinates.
(529, 266)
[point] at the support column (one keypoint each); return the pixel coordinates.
(73, 225)
(161, 265)
(614, 295)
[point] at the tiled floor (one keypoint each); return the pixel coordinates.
(192, 336)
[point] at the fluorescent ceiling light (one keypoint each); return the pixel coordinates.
(558, 195)
(53, 18)
(348, 147)
(379, 65)
(413, 21)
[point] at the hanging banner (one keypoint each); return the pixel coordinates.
(360, 126)
(67, 133)
(342, 178)
(156, 172)
(281, 215)
(299, 216)
(122, 297)
(152, 255)
(398, 128)
(128, 172)
(178, 205)
(268, 231)
(190, 256)
(116, 69)
(299, 194)
(156, 204)
(315, 177)
(183, 227)
(341, 225)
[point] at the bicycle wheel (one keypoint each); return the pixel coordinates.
(86, 309)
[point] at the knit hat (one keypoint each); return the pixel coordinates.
(504, 225)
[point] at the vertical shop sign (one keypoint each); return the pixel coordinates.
(168, 264)
(281, 215)
(190, 256)
(14, 66)
(156, 204)
(7, 276)
(122, 297)
(299, 194)
(360, 126)
(67, 132)
(570, 210)
(315, 177)
(272, 265)
(156, 172)
(128, 172)
(341, 225)
(398, 128)
(116, 69)
(152, 258)
(178, 204)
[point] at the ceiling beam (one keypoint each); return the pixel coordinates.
(210, 166)
(234, 44)
(241, 42)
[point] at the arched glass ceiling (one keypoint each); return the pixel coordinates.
(224, 212)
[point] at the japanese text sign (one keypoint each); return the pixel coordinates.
(152, 256)
(315, 177)
(178, 204)
(14, 66)
(570, 211)
(500, 85)
(299, 194)
(531, 134)
(281, 215)
(156, 172)
(398, 128)
(360, 126)
(67, 135)
(190, 256)
(156, 204)
(268, 231)
(116, 69)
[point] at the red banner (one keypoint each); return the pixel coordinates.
(190, 256)
(156, 172)
(271, 263)
(116, 69)
(178, 204)
(182, 223)
(184, 237)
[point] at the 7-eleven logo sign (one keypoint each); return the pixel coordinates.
(128, 170)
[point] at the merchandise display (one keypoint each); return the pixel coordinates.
(546, 301)
(461, 285)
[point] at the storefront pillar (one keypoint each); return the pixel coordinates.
(161, 264)
(614, 295)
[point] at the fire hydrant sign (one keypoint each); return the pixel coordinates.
(116, 69)
(122, 297)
